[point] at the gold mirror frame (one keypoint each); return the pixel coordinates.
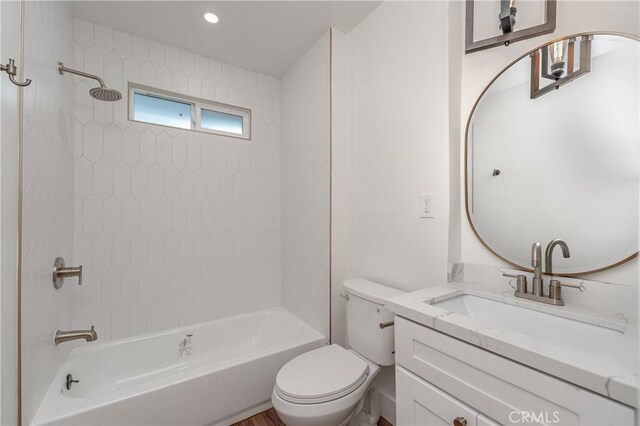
(466, 151)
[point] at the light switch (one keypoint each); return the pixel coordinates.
(427, 205)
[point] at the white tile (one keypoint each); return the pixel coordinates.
(172, 58)
(147, 148)
(102, 179)
(194, 86)
(131, 146)
(140, 49)
(148, 223)
(139, 182)
(131, 70)
(93, 61)
(180, 82)
(163, 216)
(121, 180)
(92, 141)
(83, 110)
(149, 74)
(103, 39)
(179, 216)
(102, 253)
(112, 145)
(92, 216)
(112, 216)
(221, 92)
(187, 62)
(83, 33)
(165, 201)
(165, 78)
(171, 183)
(156, 54)
(122, 44)
(139, 250)
(84, 178)
(156, 183)
(130, 216)
(179, 152)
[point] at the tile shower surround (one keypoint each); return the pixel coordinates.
(173, 227)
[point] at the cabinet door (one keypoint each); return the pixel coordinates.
(420, 404)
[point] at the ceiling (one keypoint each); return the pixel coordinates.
(263, 36)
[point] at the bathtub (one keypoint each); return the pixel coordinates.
(228, 372)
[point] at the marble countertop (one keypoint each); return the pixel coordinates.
(614, 377)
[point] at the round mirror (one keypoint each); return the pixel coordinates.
(552, 151)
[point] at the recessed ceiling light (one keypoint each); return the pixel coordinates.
(212, 18)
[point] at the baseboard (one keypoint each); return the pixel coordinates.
(388, 406)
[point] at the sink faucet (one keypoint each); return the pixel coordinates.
(548, 254)
(555, 286)
(67, 336)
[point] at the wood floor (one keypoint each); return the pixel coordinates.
(270, 418)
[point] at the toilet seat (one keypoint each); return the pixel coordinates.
(322, 375)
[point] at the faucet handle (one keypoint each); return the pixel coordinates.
(521, 281)
(557, 283)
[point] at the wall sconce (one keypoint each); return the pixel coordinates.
(555, 62)
(507, 16)
(507, 22)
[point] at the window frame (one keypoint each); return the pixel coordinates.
(197, 105)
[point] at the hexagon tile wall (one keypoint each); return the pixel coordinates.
(173, 227)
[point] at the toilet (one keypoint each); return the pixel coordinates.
(328, 386)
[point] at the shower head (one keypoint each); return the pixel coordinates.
(105, 94)
(102, 93)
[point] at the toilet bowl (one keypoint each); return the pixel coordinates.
(328, 386)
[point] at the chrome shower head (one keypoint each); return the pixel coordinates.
(105, 94)
(102, 93)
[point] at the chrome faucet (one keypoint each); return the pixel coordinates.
(555, 286)
(67, 336)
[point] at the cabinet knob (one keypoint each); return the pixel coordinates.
(459, 421)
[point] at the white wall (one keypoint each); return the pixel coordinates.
(48, 195)
(390, 144)
(172, 226)
(397, 113)
(9, 126)
(480, 67)
(306, 186)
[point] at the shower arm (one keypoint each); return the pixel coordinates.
(62, 69)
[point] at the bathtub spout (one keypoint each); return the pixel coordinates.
(67, 336)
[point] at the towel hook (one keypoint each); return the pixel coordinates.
(12, 70)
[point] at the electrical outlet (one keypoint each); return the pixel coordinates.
(427, 205)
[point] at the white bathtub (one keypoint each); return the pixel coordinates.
(145, 380)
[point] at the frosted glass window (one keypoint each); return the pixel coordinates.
(156, 106)
(152, 109)
(215, 120)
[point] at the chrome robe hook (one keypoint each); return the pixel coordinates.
(12, 70)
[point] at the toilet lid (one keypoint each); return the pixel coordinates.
(322, 375)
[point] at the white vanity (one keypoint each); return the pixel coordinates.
(473, 354)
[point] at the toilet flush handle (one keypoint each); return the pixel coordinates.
(386, 324)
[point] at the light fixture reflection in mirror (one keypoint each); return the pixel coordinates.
(555, 62)
(557, 56)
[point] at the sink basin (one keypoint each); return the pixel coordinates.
(564, 332)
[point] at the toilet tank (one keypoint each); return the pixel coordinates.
(365, 313)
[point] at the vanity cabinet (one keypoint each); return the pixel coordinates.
(419, 403)
(440, 378)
